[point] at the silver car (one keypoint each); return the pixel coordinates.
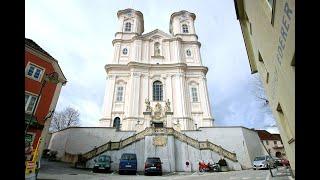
(263, 162)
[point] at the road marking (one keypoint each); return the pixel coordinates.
(245, 178)
(259, 177)
(233, 177)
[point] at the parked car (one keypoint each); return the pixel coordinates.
(285, 162)
(103, 164)
(263, 162)
(128, 163)
(153, 166)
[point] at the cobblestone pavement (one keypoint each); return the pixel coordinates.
(64, 171)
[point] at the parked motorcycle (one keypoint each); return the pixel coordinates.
(210, 167)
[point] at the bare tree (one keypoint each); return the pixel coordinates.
(259, 93)
(69, 117)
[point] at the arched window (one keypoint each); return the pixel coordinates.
(116, 123)
(185, 28)
(157, 91)
(127, 27)
(188, 52)
(157, 49)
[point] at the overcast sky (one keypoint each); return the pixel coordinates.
(78, 33)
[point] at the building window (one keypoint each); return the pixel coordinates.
(34, 71)
(157, 91)
(157, 49)
(119, 93)
(275, 142)
(127, 27)
(30, 102)
(185, 28)
(194, 94)
(125, 51)
(267, 142)
(188, 52)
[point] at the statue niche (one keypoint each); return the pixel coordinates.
(157, 49)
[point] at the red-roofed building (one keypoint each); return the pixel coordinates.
(272, 142)
(41, 93)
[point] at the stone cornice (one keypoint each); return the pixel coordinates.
(187, 35)
(146, 39)
(130, 65)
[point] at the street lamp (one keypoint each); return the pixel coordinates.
(53, 78)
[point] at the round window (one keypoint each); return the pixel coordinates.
(125, 51)
(188, 52)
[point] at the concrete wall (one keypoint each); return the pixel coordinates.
(173, 155)
(244, 142)
(253, 144)
(81, 140)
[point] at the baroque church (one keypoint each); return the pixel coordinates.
(156, 104)
(156, 78)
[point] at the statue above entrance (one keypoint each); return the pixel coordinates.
(168, 109)
(148, 109)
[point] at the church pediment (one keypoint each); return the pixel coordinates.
(156, 34)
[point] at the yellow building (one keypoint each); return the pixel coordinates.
(268, 28)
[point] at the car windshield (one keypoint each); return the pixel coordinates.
(260, 158)
(104, 158)
(153, 160)
(128, 157)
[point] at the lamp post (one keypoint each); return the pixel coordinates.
(53, 78)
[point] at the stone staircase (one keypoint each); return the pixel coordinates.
(201, 145)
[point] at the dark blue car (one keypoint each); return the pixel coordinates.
(128, 163)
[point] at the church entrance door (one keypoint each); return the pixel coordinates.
(158, 125)
(116, 123)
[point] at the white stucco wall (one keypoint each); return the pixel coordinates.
(80, 139)
(244, 142)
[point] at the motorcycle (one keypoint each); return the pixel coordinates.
(210, 167)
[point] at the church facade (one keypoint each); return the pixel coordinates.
(156, 78)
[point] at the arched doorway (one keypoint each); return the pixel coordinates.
(116, 123)
(278, 154)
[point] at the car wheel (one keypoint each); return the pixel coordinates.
(94, 170)
(254, 168)
(120, 172)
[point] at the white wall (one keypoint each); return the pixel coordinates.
(81, 140)
(244, 142)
